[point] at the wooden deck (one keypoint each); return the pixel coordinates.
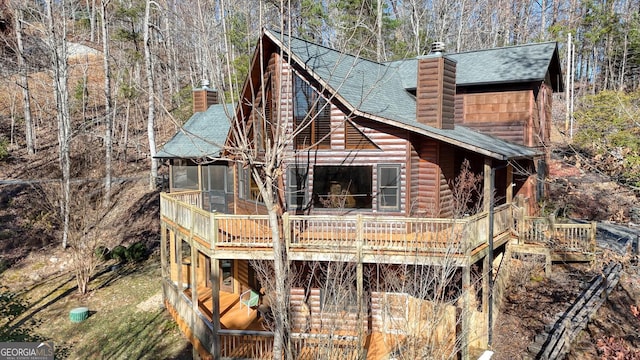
(232, 316)
(255, 337)
(330, 237)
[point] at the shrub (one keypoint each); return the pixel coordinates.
(102, 253)
(4, 147)
(136, 252)
(118, 253)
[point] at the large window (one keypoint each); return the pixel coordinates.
(389, 187)
(214, 177)
(247, 185)
(217, 183)
(342, 187)
(311, 116)
(297, 188)
(184, 176)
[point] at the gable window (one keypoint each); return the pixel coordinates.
(311, 116)
(389, 187)
(297, 188)
(354, 139)
(247, 186)
(262, 119)
(347, 187)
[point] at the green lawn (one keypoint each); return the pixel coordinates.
(118, 328)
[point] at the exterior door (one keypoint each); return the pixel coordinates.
(226, 275)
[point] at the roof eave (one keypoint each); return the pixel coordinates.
(448, 140)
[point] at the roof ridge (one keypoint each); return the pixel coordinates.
(274, 32)
(504, 47)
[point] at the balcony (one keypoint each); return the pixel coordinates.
(336, 238)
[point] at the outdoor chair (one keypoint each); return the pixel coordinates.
(249, 299)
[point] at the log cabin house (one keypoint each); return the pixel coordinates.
(367, 191)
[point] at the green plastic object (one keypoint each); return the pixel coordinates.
(79, 314)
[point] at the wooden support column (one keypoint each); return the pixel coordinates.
(509, 183)
(362, 308)
(215, 310)
(193, 284)
(466, 312)
(163, 251)
(486, 191)
(194, 278)
(178, 240)
(487, 272)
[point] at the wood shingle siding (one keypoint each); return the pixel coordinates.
(505, 115)
(436, 92)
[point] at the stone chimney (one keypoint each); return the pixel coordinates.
(204, 97)
(436, 89)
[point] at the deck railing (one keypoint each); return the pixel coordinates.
(560, 237)
(243, 344)
(247, 344)
(335, 233)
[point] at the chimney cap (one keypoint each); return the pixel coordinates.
(437, 47)
(204, 83)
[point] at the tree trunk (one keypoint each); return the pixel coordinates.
(151, 110)
(24, 84)
(58, 48)
(108, 136)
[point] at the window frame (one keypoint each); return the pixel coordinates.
(315, 119)
(246, 186)
(322, 186)
(184, 168)
(380, 187)
(293, 190)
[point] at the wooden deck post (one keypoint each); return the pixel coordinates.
(486, 191)
(362, 331)
(178, 240)
(592, 240)
(214, 230)
(163, 250)
(487, 271)
(215, 307)
(286, 229)
(192, 273)
(466, 312)
(194, 281)
(509, 183)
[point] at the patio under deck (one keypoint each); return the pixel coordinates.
(233, 316)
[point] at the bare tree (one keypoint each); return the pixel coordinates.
(24, 80)
(108, 136)
(151, 135)
(57, 29)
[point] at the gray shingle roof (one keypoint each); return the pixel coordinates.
(202, 136)
(512, 64)
(379, 90)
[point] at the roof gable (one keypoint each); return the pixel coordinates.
(202, 136)
(512, 64)
(377, 91)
